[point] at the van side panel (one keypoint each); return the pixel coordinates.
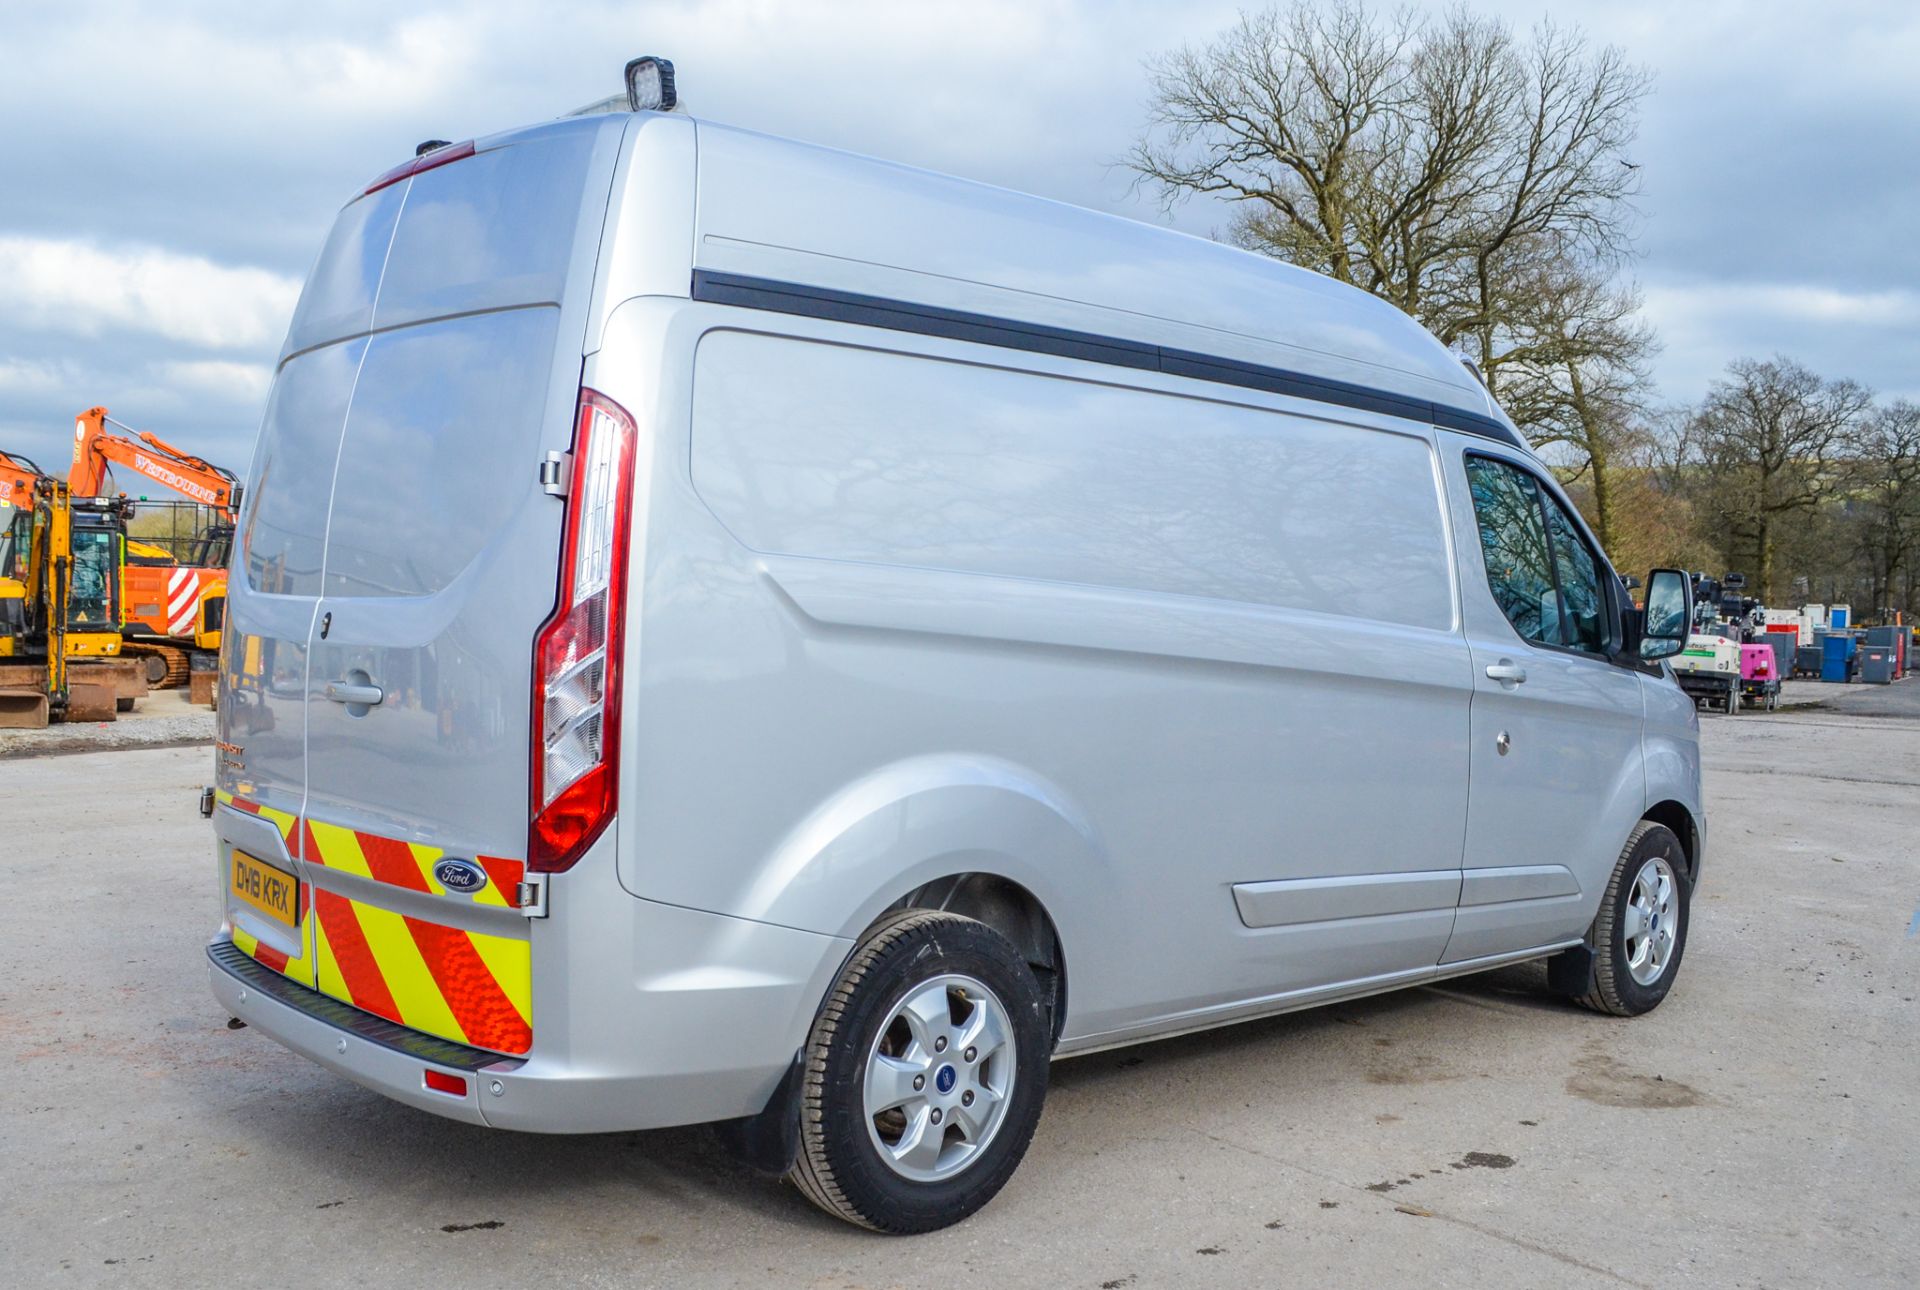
(912, 611)
(855, 454)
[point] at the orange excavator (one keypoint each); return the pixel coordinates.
(16, 480)
(175, 599)
(17, 476)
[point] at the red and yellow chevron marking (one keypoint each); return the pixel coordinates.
(470, 987)
(294, 969)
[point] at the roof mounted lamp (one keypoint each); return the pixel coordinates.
(650, 85)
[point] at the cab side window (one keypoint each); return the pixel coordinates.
(1513, 535)
(1543, 575)
(1582, 604)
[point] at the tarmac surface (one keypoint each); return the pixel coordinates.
(1759, 1129)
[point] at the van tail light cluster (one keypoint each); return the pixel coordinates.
(576, 662)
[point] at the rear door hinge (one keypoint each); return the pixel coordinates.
(530, 895)
(556, 473)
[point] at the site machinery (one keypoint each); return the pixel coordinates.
(60, 606)
(175, 588)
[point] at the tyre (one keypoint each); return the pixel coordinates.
(923, 1076)
(1634, 947)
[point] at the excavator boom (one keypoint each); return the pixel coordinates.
(97, 449)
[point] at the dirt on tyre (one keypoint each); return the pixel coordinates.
(923, 1076)
(1640, 934)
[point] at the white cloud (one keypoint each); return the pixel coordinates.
(23, 377)
(237, 382)
(1800, 303)
(85, 289)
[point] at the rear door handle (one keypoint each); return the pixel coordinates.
(342, 692)
(1507, 672)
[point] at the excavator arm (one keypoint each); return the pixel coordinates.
(17, 475)
(97, 449)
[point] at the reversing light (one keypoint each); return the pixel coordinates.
(650, 85)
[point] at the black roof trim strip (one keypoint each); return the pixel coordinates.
(1007, 333)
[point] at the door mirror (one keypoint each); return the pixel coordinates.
(1668, 615)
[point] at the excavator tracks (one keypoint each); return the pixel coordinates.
(174, 663)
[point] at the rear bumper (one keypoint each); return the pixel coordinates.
(698, 1021)
(386, 1058)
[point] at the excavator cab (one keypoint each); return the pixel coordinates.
(16, 540)
(99, 535)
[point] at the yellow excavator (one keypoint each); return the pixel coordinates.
(60, 607)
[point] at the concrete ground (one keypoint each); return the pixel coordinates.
(163, 719)
(1759, 1129)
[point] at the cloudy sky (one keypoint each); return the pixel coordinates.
(168, 171)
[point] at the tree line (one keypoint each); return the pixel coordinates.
(1481, 180)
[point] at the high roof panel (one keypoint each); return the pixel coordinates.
(787, 211)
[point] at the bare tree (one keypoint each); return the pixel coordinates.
(1573, 366)
(1769, 443)
(1426, 161)
(1888, 495)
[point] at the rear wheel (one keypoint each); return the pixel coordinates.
(1640, 933)
(924, 1075)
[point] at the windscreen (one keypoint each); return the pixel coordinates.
(91, 601)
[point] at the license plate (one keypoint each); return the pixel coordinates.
(269, 890)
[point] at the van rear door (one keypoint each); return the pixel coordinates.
(274, 590)
(438, 566)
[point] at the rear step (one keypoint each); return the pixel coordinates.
(229, 958)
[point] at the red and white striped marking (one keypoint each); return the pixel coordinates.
(183, 598)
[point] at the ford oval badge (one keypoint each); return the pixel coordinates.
(460, 875)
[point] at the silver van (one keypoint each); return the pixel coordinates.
(727, 630)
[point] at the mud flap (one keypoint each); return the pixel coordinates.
(1570, 972)
(768, 1142)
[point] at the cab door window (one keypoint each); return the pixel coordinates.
(1541, 571)
(1513, 536)
(1583, 605)
(90, 602)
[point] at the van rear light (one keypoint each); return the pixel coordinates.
(576, 665)
(423, 161)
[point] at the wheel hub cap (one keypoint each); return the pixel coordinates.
(938, 1078)
(1652, 921)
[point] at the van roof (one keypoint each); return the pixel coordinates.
(775, 209)
(797, 215)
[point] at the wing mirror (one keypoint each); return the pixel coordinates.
(1668, 615)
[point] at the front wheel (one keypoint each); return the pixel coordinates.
(1640, 933)
(924, 1075)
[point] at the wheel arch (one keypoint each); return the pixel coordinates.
(1680, 821)
(1013, 911)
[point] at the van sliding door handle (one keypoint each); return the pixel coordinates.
(342, 692)
(1507, 672)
